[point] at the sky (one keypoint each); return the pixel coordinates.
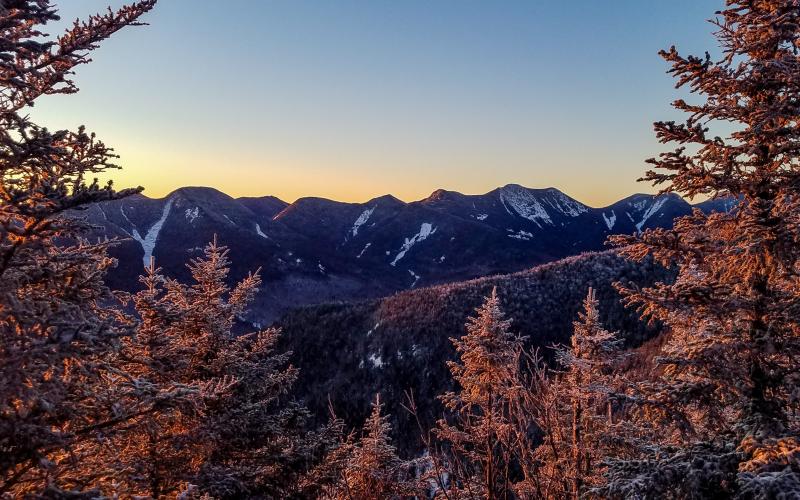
(355, 99)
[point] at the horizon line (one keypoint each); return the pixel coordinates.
(407, 202)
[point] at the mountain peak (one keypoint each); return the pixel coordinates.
(442, 195)
(514, 186)
(198, 192)
(538, 205)
(265, 206)
(385, 199)
(269, 198)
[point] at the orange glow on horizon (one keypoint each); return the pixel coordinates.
(159, 178)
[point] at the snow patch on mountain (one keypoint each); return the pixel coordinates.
(525, 204)
(727, 205)
(192, 214)
(425, 230)
(610, 221)
(148, 242)
(260, 232)
(362, 219)
(564, 204)
(482, 216)
(506, 206)
(416, 278)
(374, 328)
(376, 360)
(521, 235)
(655, 207)
(125, 216)
(363, 250)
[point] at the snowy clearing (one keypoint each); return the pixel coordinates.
(363, 250)
(376, 360)
(425, 231)
(192, 214)
(148, 242)
(655, 207)
(610, 221)
(416, 278)
(362, 219)
(522, 235)
(525, 204)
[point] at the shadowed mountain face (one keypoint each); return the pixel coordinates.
(317, 250)
(347, 353)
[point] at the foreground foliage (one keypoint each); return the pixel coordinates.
(225, 421)
(486, 442)
(95, 402)
(727, 405)
(58, 393)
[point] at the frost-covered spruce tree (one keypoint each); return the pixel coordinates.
(372, 470)
(55, 327)
(237, 433)
(484, 439)
(579, 415)
(728, 398)
(152, 455)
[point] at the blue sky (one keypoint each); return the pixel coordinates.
(354, 99)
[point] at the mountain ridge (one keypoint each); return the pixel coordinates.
(315, 250)
(433, 194)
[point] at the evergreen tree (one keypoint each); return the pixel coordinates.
(578, 404)
(487, 439)
(239, 434)
(372, 470)
(153, 453)
(727, 403)
(57, 391)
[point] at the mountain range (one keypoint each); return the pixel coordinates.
(317, 250)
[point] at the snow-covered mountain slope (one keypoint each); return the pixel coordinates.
(642, 211)
(316, 250)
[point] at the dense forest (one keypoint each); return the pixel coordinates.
(348, 352)
(541, 384)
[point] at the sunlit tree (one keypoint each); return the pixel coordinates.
(371, 469)
(485, 440)
(225, 421)
(56, 327)
(574, 408)
(727, 402)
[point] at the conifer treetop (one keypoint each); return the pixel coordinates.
(753, 87)
(723, 402)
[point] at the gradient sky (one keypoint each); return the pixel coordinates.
(354, 99)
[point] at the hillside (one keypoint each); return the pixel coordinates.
(347, 352)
